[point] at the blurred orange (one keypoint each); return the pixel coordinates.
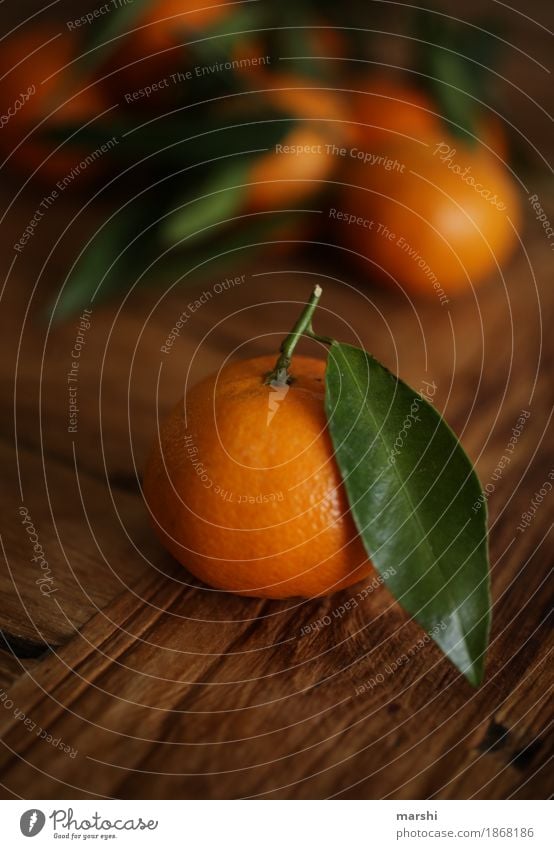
(290, 173)
(37, 74)
(431, 218)
(154, 48)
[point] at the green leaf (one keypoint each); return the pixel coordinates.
(412, 493)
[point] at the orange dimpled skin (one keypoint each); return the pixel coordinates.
(244, 490)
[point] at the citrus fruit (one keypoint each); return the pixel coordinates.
(387, 110)
(165, 22)
(432, 218)
(244, 490)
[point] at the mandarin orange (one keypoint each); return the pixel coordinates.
(300, 165)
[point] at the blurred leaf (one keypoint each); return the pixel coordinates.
(222, 197)
(251, 233)
(450, 82)
(220, 38)
(218, 199)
